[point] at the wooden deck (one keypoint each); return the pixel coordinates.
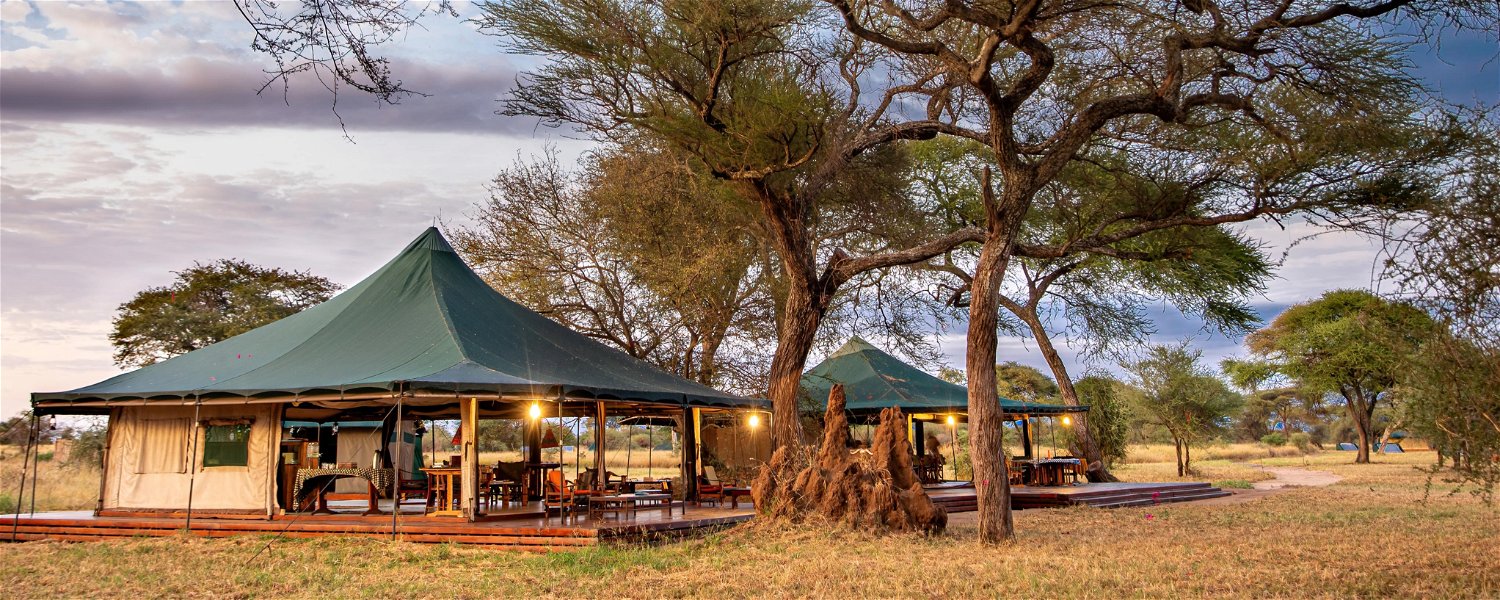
(516, 528)
(525, 527)
(960, 497)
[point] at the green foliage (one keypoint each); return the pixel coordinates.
(1348, 342)
(1109, 415)
(1180, 395)
(1451, 397)
(1025, 383)
(1302, 440)
(208, 303)
(1237, 484)
(1273, 439)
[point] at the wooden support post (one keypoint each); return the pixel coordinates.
(534, 455)
(1026, 435)
(469, 425)
(918, 440)
(690, 454)
(599, 440)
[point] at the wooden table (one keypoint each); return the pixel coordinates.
(630, 503)
(376, 479)
(634, 485)
(1049, 471)
(734, 494)
(445, 479)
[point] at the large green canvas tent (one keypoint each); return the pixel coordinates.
(874, 380)
(422, 325)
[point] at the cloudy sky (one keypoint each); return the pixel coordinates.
(132, 143)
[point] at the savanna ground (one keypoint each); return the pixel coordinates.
(1369, 535)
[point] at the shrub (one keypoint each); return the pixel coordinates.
(1238, 484)
(1302, 441)
(44, 456)
(1273, 439)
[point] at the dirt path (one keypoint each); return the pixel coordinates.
(1285, 477)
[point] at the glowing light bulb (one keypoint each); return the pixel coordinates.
(754, 421)
(1067, 420)
(536, 410)
(952, 420)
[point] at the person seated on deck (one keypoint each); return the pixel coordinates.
(935, 450)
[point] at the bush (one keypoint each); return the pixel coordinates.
(44, 457)
(1238, 484)
(1302, 441)
(1273, 439)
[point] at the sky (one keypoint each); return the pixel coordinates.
(133, 143)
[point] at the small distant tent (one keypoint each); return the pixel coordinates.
(1346, 447)
(874, 380)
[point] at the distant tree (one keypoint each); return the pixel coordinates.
(1024, 382)
(1270, 397)
(16, 430)
(208, 303)
(1182, 396)
(1348, 342)
(1108, 417)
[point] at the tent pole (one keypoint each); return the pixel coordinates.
(109, 433)
(600, 438)
(650, 453)
(25, 452)
(36, 465)
(193, 459)
(396, 468)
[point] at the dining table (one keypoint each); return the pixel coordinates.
(1047, 471)
(444, 482)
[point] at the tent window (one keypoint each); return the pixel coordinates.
(226, 446)
(163, 447)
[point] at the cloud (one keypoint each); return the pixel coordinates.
(189, 65)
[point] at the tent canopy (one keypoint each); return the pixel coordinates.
(424, 322)
(874, 380)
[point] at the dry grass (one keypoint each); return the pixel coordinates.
(59, 486)
(1164, 453)
(1367, 536)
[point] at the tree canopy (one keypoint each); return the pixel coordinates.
(1348, 342)
(207, 303)
(1182, 396)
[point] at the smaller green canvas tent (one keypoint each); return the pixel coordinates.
(874, 380)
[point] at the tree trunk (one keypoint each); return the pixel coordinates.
(1187, 457)
(798, 326)
(1088, 447)
(1177, 443)
(991, 482)
(1361, 412)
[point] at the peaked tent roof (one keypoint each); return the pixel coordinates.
(874, 380)
(424, 321)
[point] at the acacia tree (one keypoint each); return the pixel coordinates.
(1348, 342)
(1181, 396)
(1045, 83)
(1101, 295)
(208, 303)
(748, 89)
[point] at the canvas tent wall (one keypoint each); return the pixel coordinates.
(156, 454)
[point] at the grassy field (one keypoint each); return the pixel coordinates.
(1366, 536)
